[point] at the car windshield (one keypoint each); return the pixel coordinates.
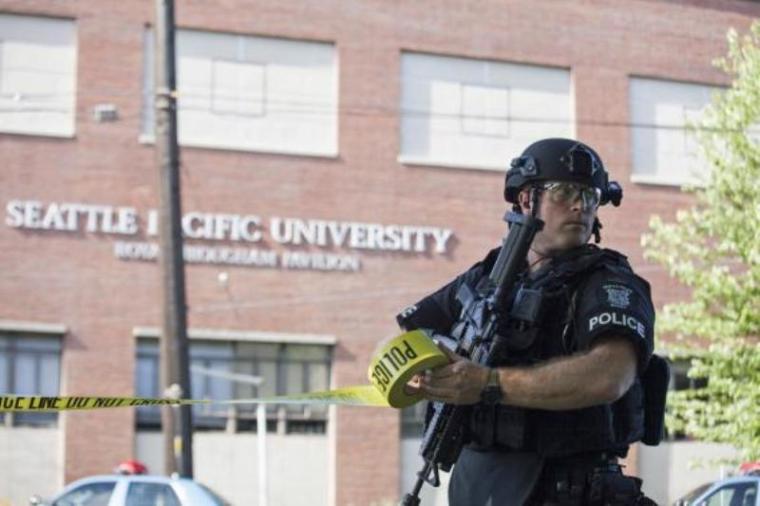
(90, 494)
(688, 498)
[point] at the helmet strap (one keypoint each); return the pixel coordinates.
(535, 193)
(596, 230)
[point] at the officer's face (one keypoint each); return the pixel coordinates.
(568, 219)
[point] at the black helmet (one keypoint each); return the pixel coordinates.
(560, 160)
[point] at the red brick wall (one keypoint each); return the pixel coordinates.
(51, 277)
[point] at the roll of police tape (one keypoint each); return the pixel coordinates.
(389, 370)
(394, 365)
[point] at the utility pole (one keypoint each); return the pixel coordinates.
(175, 370)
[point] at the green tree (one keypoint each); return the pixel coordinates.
(714, 248)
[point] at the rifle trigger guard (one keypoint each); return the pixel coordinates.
(433, 480)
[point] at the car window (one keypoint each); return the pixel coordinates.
(688, 499)
(92, 494)
(750, 496)
(151, 494)
(734, 494)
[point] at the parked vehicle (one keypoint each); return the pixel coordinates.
(133, 490)
(737, 491)
(750, 468)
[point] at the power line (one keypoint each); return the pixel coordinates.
(310, 109)
(307, 109)
(406, 113)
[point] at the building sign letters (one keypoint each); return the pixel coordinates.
(240, 233)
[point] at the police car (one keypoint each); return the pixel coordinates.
(133, 490)
(737, 491)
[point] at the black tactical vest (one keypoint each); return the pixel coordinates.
(610, 427)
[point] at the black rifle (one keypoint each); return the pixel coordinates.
(443, 439)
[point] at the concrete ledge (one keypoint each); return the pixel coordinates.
(33, 327)
(241, 335)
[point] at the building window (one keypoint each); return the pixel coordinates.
(250, 93)
(238, 88)
(413, 420)
(484, 110)
(30, 364)
(665, 150)
(146, 493)
(227, 370)
(680, 380)
(679, 377)
(470, 113)
(37, 75)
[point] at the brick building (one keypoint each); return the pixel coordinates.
(339, 160)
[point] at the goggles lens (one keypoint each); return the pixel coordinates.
(565, 193)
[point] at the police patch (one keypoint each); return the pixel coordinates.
(618, 295)
(618, 319)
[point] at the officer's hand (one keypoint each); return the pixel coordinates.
(459, 382)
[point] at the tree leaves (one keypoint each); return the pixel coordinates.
(714, 248)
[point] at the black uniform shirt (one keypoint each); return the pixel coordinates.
(607, 299)
(440, 310)
(599, 296)
(614, 301)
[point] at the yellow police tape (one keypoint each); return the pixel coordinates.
(389, 370)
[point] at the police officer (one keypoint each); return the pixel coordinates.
(548, 425)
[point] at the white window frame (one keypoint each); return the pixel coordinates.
(689, 113)
(18, 331)
(283, 416)
(409, 109)
(66, 106)
(147, 136)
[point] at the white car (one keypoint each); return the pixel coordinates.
(134, 490)
(737, 491)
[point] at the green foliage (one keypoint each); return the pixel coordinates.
(714, 248)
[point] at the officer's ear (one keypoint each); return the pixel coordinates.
(523, 198)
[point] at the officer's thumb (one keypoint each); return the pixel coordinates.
(452, 356)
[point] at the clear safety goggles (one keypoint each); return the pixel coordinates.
(562, 192)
